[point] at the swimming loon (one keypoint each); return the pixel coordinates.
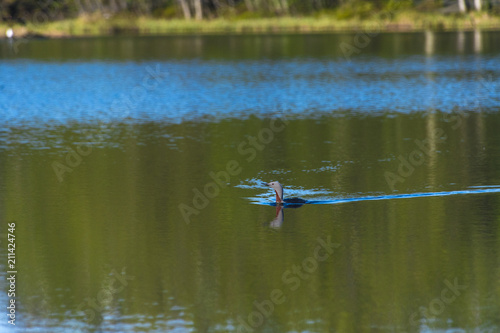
(278, 189)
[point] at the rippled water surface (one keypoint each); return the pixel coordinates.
(133, 169)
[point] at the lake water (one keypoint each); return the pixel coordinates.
(132, 168)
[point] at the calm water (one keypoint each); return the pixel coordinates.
(132, 168)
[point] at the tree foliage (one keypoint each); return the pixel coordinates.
(28, 10)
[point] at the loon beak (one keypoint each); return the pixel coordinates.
(264, 183)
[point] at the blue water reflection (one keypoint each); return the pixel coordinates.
(42, 92)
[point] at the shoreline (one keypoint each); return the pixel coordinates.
(144, 26)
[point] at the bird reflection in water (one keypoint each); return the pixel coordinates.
(280, 214)
(278, 220)
(282, 203)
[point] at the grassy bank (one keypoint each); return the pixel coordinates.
(402, 21)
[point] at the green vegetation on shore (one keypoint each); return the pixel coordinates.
(59, 18)
(402, 21)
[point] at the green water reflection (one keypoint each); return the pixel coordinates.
(240, 47)
(107, 249)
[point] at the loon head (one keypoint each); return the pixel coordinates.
(278, 189)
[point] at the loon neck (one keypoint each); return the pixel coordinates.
(278, 198)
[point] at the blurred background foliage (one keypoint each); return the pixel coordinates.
(23, 11)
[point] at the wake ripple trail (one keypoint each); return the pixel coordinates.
(481, 190)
